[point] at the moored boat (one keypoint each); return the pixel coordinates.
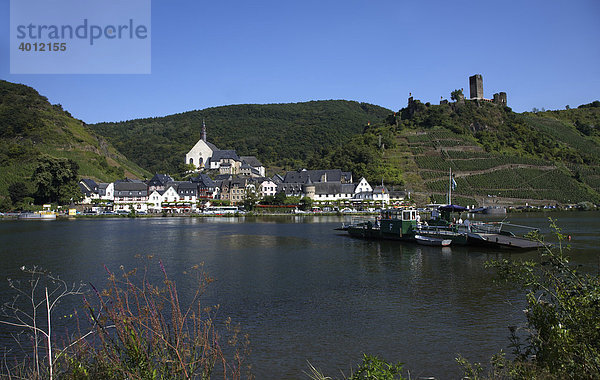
(405, 225)
(394, 224)
(426, 240)
(39, 215)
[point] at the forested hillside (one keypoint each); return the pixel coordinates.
(496, 155)
(34, 131)
(284, 135)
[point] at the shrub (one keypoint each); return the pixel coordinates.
(135, 329)
(561, 336)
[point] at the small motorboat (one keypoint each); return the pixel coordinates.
(426, 240)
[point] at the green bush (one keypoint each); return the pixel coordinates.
(561, 336)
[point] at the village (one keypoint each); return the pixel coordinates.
(236, 181)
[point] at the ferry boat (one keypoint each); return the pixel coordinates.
(394, 224)
(405, 225)
(38, 215)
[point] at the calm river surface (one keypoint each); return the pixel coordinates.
(305, 292)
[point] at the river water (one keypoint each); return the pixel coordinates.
(304, 292)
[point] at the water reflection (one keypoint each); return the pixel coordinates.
(304, 291)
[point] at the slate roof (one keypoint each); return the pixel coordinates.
(223, 177)
(188, 185)
(348, 188)
(334, 188)
(102, 189)
(160, 180)
(289, 188)
(277, 178)
(130, 186)
(89, 184)
(252, 161)
(175, 184)
(332, 175)
(219, 155)
(397, 194)
(204, 181)
(187, 188)
(212, 146)
(131, 189)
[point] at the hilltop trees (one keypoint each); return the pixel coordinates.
(456, 95)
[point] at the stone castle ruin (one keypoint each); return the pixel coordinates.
(475, 94)
(476, 91)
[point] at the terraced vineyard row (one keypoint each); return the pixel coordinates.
(438, 162)
(518, 183)
(479, 173)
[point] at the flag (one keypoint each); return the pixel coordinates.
(453, 183)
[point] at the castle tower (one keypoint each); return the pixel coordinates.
(476, 86)
(309, 189)
(203, 131)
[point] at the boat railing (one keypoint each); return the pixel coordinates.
(486, 228)
(356, 221)
(517, 229)
(438, 230)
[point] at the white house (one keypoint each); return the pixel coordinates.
(155, 200)
(106, 191)
(226, 158)
(170, 195)
(130, 195)
(255, 165)
(363, 186)
(381, 194)
(267, 188)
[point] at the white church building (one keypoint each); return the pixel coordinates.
(201, 153)
(205, 155)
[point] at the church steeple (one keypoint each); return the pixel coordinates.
(203, 131)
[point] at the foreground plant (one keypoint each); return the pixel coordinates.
(31, 314)
(561, 336)
(371, 368)
(140, 330)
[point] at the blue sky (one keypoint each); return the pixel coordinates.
(204, 54)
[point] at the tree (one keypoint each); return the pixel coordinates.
(55, 180)
(306, 204)
(280, 198)
(456, 95)
(250, 200)
(17, 192)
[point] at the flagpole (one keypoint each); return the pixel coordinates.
(450, 188)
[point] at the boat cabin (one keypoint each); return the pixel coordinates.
(398, 222)
(405, 215)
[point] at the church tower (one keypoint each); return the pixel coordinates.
(203, 131)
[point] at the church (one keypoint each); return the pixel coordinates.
(205, 155)
(201, 153)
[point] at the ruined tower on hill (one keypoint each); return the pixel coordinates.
(476, 86)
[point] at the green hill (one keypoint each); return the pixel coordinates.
(31, 127)
(496, 155)
(284, 135)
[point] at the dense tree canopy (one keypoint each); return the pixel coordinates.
(55, 180)
(284, 135)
